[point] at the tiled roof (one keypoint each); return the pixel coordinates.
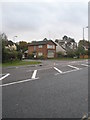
(40, 42)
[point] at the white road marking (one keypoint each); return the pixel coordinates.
(58, 70)
(68, 71)
(5, 76)
(74, 67)
(71, 71)
(34, 74)
(17, 82)
(84, 65)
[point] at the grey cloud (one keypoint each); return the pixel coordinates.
(41, 17)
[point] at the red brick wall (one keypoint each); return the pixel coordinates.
(44, 50)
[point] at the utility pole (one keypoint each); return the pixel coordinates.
(83, 34)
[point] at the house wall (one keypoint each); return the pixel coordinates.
(44, 50)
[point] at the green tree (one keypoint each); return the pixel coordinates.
(23, 45)
(70, 53)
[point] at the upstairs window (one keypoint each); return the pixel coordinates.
(40, 46)
(34, 48)
(51, 46)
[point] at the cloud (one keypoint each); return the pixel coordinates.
(36, 19)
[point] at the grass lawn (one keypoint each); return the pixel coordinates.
(18, 63)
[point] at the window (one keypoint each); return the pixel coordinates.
(51, 53)
(40, 46)
(40, 53)
(51, 46)
(34, 48)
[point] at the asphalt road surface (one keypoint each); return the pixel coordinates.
(55, 89)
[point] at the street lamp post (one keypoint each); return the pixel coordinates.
(14, 38)
(83, 36)
(83, 31)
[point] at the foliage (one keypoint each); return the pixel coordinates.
(22, 46)
(59, 54)
(30, 56)
(83, 43)
(11, 55)
(66, 38)
(40, 57)
(19, 55)
(70, 54)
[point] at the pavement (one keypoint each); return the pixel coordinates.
(54, 89)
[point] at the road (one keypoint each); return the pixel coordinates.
(55, 89)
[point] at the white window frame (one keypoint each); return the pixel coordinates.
(40, 54)
(40, 46)
(50, 46)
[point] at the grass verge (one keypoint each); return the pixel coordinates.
(20, 63)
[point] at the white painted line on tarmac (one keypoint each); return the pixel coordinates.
(23, 81)
(58, 70)
(69, 71)
(4, 76)
(34, 74)
(84, 65)
(74, 67)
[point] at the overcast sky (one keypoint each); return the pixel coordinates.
(37, 20)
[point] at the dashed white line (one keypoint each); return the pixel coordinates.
(34, 74)
(74, 67)
(58, 70)
(5, 76)
(17, 82)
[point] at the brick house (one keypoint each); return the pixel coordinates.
(47, 49)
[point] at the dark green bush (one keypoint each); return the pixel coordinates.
(60, 54)
(30, 56)
(40, 57)
(19, 56)
(8, 55)
(70, 54)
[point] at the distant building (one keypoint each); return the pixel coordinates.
(67, 44)
(59, 48)
(11, 47)
(45, 48)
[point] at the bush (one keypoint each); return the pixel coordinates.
(30, 56)
(40, 57)
(59, 54)
(10, 55)
(70, 54)
(19, 56)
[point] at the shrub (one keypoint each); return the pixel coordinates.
(10, 55)
(59, 54)
(40, 57)
(19, 56)
(70, 54)
(30, 56)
